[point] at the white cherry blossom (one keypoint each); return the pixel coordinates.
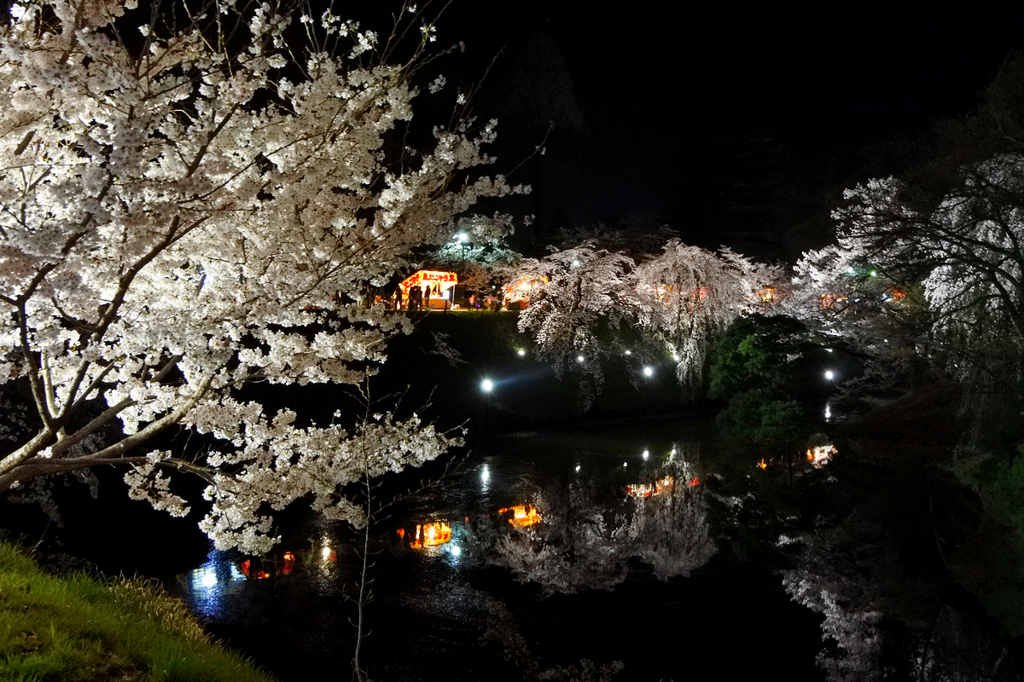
(176, 215)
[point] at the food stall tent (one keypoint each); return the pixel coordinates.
(442, 285)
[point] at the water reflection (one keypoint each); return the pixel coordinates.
(557, 510)
(821, 455)
(568, 523)
(522, 515)
(211, 585)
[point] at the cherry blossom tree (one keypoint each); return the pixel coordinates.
(195, 208)
(690, 295)
(962, 252)
(675, 303)
(478, 252)
(588, 290)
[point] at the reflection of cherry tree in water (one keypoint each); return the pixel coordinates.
(573, 548)
(585, 542)
(670, 531)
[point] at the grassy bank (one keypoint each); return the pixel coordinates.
(94, 630)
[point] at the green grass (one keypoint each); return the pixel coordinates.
(85, 629)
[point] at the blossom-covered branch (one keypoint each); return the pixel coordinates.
(172, 209)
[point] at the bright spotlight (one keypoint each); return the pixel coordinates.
(646, 454)
(521, 352)
(629, 352)
(648, 371)
(577, 468)
(830, 375)
(462, 237)
(487, 385)
(580, 358)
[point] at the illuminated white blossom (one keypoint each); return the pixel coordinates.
(173, 220)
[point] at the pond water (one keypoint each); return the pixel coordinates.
(542, 549)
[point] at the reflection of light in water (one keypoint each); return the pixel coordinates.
(328, 555)
(211, 582)
(821, 455)
(432, 534)
(485, 478)
(649, 489)
(522, 515)
(828, 411)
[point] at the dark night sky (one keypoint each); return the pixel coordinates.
(729, 118)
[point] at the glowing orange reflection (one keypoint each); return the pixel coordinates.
(829, 301)
(432, 534)
(522, 515)
(648, 489)
(821, 455)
